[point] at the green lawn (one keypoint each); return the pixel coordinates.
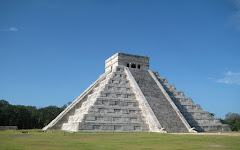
(115, 141)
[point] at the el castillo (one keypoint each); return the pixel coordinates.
(129, 97)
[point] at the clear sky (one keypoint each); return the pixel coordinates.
(52, 50)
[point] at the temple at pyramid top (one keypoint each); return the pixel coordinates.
(127, 60)
(129, 97)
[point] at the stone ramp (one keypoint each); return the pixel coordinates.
(201, 120)
(161, 107)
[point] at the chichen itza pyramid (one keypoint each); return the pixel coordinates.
(129, 97)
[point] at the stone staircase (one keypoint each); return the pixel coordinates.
(112, 107)
(161, 107)
(201, 120)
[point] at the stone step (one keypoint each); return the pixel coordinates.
(78, 117)
(116, 107)
(203, 121)
(120, 103)
(176, 96)
(169, 87)
(117, 115)
(70, 126)
(189, 106)
(112, 127)
(123, 95)
(114, 110)
(117, 78)
(162, 80)
(195, 112)
(103, 110)
(209, 124)
(183, 103)
(116, 99)
(199, 118)
(118, 81)
(116, 92)
(219, 128)
(185, 99)
(118, 75)
(175, 93)
(113, 119)
(115, 88)
(118, 85)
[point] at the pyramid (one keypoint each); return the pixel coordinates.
(129, 97)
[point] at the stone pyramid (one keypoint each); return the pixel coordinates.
(129, 97)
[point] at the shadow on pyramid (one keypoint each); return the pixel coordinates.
(129, 97)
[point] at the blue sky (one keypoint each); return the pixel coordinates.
(51, 51)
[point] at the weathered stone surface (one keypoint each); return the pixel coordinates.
(130, 98)
(127, 60)
(193, 113)
(161, 107)
(112, 107)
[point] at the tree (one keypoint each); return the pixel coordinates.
(212, 114)
(27, 117)
(47, 114)
(3, 103)
(233, 120)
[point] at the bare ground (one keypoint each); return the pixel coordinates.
(202, 133)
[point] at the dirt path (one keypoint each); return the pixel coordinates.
(219, 133)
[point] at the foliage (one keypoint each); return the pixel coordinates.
(27, 117)
(233, 120)
(3, 103)
(212, 114)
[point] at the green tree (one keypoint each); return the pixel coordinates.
(3, 103)
(233, 120)
(47, 114)
(27, 117)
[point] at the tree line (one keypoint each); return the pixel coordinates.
(31, 117)
(233, 120)
(27, 117)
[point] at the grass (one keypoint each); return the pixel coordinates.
(113, 141)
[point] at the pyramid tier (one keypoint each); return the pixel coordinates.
(112, 127)
(193, 113)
